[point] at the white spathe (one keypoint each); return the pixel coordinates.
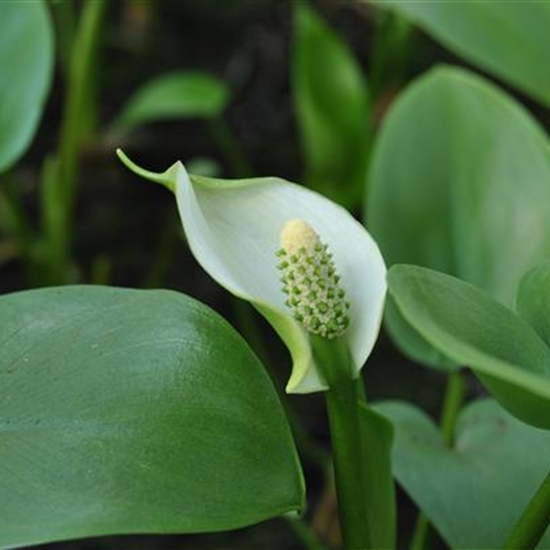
(234, 228)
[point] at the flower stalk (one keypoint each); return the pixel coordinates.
(342, 401)
(533, 522)
(60, 172)
(318, 303)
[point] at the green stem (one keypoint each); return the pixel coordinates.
(342, 399)
(80, 81)
(59, 197)
(165, 248)
(230, 148)
(390, 53)
(65, 23)
(454, 397)
(421, 531)
(13, 219)
(533, 522)
(304, 533)
(100, 273)
(452, 402)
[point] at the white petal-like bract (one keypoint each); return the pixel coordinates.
(234, 227)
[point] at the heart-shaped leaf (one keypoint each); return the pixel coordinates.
(505, 38)
(173, 96)
(473, 329)
(460, 182)
(125, 411)
(473, 492)
(26, 58)
(332, 107)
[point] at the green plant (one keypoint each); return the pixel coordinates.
(143, 411)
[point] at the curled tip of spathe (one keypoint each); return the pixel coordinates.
(165, 178)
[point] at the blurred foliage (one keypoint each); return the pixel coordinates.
(504, 38)
(172, 96)
(332, 107)
(473, 329)
(485, 435)
(460, 182)
(26, 57)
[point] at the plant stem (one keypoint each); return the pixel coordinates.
(61, 180)
(533, 522)
(454, 397)
(342, 399)
(452, 402)
(420, 533)
(13, 219)
(64, 18)
(164, 253)
(390, 53)
(239, 164)
(304, 533)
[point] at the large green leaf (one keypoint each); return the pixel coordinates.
(505, 38)
(460, 182)
(332, 107)
(125, 411)
(475, 490)
(172, 96)
(473, 329)
(26, 58)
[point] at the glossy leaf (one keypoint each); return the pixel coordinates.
(460, 182)
(504, 38)
(495, 465)
(173, 96)
(26, 58)
(377, 440)
(332, 107)
(125, 411)
(473, 329)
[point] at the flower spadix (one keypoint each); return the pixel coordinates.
(303, 261)
(311, 282)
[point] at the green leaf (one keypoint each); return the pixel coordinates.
(172, 96)
(533, 300)
(410, 341)
(126, 411)
(332, 107)
(376, 440)
(473, 329)
(504, 38)
(474, 491)
(26, 58)
(460, 183)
